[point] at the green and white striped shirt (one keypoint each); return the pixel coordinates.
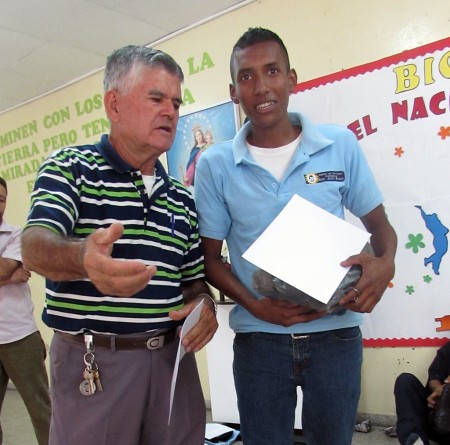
(81, 189)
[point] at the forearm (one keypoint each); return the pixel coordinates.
(195, 289)
(192, 290)
(384, 243)
(383, 237)
(52, 255)
(221, 277)
(7, 268)
(434, 385)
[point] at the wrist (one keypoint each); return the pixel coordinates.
(434, 385)
(210, 301)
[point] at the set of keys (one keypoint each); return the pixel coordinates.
(91, 375)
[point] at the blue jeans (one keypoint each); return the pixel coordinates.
(269, 367)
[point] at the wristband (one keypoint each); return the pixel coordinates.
(204, 295)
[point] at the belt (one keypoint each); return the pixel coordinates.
(113, 342)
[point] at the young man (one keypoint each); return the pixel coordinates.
(241, 187)
(22, 351)
(117, 240)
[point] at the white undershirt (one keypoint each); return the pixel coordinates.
(149, 182)
(275, 160)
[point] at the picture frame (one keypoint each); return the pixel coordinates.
(197, 132)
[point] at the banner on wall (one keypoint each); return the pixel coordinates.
(399, 109)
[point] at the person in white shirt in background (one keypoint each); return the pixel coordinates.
(22, 350)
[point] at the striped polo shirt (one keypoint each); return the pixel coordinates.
(81, 189)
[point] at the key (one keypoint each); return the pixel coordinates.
(88, 374)
(96, 374)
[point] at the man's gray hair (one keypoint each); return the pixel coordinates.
(125, 63)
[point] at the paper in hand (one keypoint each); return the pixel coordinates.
(190, 321)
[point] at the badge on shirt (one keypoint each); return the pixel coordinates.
(315, 178)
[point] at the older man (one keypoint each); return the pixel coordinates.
(117, 240)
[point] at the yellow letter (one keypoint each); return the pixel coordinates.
(407, 78)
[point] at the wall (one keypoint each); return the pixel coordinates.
(322, 36)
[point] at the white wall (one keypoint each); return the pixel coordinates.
(322, 36)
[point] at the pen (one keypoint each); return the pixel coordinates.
(172, 221)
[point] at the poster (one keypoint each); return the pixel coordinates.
(197, 132)
(399, 109)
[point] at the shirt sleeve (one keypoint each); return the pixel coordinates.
(214, 218)
(55, 199)
(362, 193)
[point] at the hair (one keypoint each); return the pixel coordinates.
(257, 35)
(124, 64)
(3, 183)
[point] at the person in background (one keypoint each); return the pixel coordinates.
(118, 243)
(22, 350)
(241, 187)
(415, 402)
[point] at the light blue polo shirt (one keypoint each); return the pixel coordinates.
(237, 199)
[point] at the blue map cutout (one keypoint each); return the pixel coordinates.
(440, 241)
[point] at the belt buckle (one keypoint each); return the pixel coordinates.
(155, 342)
(299, 336)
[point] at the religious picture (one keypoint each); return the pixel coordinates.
(197, 132)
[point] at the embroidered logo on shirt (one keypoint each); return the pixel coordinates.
(314, 178)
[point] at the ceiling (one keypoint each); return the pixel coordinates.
(45, 44)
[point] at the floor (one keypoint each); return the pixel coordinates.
(375, 437)
(17, 428)
(16, 424)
